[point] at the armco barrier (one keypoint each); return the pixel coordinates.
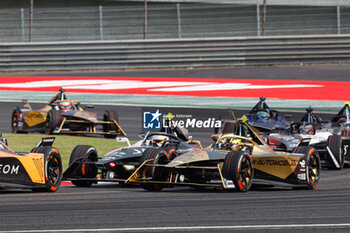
(172, 53)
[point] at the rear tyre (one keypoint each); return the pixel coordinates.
(53, 118)
(53, 168)
(238, 167)
(313, 167)
(15, 120)
(84, 153)
(334, 143)
(110, 116)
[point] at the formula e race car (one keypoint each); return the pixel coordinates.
(234, 161)
(330, 140)
(343, 116)
(86, 168)
(265, 119)
(64, 116)
(39, 170)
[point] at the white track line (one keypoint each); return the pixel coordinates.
(243, 227)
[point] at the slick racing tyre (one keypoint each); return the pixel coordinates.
(110, 116)
(312, 165)
(335, 151)
(159, 156)
(238, 167)
(53, 168)
(53, 119)
(84, 153)
(345, 133)
(15, 120)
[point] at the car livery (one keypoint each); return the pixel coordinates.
(39, 170)
(265, 119)
(234, 161)
(64, 116)
(330, 139)
(86, 168)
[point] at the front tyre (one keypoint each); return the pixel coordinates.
(53, 168)
(335, 151)
(159, 157)
(81, 154)
(238, 167)
(53, 118)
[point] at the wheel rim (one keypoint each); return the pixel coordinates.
(15, 122)
(245, 173)
(53, 170)
(313, 169)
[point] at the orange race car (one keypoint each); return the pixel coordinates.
(39, 170)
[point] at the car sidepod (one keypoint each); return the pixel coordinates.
(300, 169)
(22, 170)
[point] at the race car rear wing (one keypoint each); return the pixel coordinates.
(92, 130)
(47, 141)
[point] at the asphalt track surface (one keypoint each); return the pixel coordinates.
(115, 208)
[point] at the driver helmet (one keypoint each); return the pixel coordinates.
(342, 120)
(157, 140)
(235, 144)
(309, 129)
(236, 141)
(65, 105)
(262, 116)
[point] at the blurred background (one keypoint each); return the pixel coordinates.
(77, 20)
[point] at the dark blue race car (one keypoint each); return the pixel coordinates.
(265, 119)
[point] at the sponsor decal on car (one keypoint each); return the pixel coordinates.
(269, 162)
(345, 149)
(301, 176)
(9, 169)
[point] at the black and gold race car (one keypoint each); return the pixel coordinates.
(64, 116)
(87, 168)
(39, 170)
(237, 159)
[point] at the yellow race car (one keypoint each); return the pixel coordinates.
(39, 170)
(64, 116)
(237, 159)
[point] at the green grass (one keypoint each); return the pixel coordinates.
(64, 144)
